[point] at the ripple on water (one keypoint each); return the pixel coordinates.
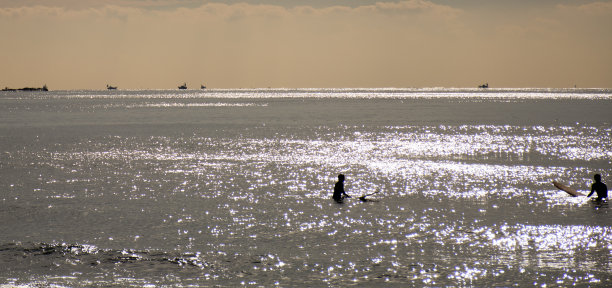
(466, 205)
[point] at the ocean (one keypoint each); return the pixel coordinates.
(226, 188)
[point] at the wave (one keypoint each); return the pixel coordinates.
(33, 255)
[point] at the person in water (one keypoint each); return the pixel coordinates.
(339, 193)
(600, 188)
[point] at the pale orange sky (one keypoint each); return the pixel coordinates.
(159, 44)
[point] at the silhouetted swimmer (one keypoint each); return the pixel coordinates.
(339, 193)
(600, 188)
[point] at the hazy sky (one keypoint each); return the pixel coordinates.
(86, 44)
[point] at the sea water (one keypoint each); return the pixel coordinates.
(233, 187)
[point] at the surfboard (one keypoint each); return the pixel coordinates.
(567, 189)
(363, 197)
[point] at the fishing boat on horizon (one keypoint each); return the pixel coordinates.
(486, 85)
(111, 87)
(202, 86)
(183, 87)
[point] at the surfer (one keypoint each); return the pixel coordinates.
(339, 193)
(600, 188)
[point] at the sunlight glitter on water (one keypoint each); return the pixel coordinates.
(173, 105)
(553, 238)
(504, 94)
(413, 160)
(236, 191)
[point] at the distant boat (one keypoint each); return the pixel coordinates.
(486, 85)
(44, 88)
(202, 87)
(111, 87)
(182, 87)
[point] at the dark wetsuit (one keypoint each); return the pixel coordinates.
(339, 191)
(601, 189)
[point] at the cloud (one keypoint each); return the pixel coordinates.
(31, 13)
(563, 19)
(229, 11)
(413, 6)
(595, 8)
(86, 4)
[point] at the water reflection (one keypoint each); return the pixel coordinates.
(398, 160)
(461, 204)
